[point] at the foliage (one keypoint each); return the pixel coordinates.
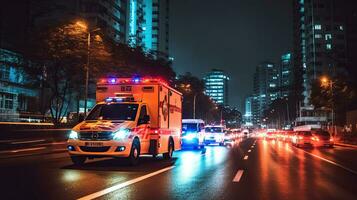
(338, 98)
(59, 54)
(279, 112)
(190, 87)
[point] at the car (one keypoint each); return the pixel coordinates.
(322, 138)
(302, 139)
(193, 133)
(270, 136)
(214, 135)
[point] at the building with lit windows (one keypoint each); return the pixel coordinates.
(285, 75)
(216, 86)
(17, 98)
(248, 116)
(325, 38)
(156, 28)
(265, 89)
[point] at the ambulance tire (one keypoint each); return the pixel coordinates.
(168, 155)
(78, 160)
(134, 153)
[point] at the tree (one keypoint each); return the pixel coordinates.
(193, 88)
(336, 94)
(279, 114)
(58, 55)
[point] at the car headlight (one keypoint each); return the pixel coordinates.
(190, 136)
(73, 135)
(121, 134)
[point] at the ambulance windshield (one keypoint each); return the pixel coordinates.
(125, 112)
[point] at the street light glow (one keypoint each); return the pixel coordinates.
(82, 24)
(324, 81)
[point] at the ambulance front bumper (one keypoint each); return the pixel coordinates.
(110, 148)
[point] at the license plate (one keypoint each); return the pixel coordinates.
(93, 144)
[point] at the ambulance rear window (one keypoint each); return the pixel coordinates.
(125, 112)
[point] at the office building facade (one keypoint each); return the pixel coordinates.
(216, 86)
(324, 39)
(248, 115)
(156, 28)
(285, 75)
(265, 89)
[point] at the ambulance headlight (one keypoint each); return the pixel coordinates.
(73, 135)
(121, 134)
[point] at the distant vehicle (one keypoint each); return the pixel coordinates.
(310, 118)
(214, 135)
(322, 138)
(132, 117)
(302, 139)
(270, 134)
(193, 133)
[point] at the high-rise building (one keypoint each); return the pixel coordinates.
(134, 22)
(285, 75)
(216, 86)
(324, 38)
(156, 29)
(248, 116)
(266, 89)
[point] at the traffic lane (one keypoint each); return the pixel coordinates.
(54, 177)
(275, 170)
(347, 156)
(194, 176)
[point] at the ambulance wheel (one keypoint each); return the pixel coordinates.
(168, 155)
(134, 153)
(78, 160)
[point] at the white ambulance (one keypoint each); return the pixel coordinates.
(132, 117)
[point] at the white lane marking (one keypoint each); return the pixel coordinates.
(29, 141)
(122, 185)
(21, 150)
(331, 162)
(245, 157)
(249, 150)
(238, 176)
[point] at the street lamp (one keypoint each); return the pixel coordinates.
(84, 26)
(327, 82)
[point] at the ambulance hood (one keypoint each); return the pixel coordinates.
(103, 125)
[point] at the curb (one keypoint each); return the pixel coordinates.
(345, 145)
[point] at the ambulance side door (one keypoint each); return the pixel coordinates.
(143, 126)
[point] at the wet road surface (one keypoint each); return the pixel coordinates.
(251, 169)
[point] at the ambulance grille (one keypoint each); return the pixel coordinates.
(96, 136)
(94, 149)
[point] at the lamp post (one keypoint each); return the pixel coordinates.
(84, 26)
(187, 88)
(325, 81)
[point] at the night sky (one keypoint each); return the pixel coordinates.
(233, 35)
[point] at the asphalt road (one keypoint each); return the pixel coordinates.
(252, 169)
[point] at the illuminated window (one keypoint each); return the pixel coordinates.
(328, 46)
(318, 36)
(328, 37)
(318, 27)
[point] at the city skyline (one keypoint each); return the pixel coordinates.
(233, 39)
